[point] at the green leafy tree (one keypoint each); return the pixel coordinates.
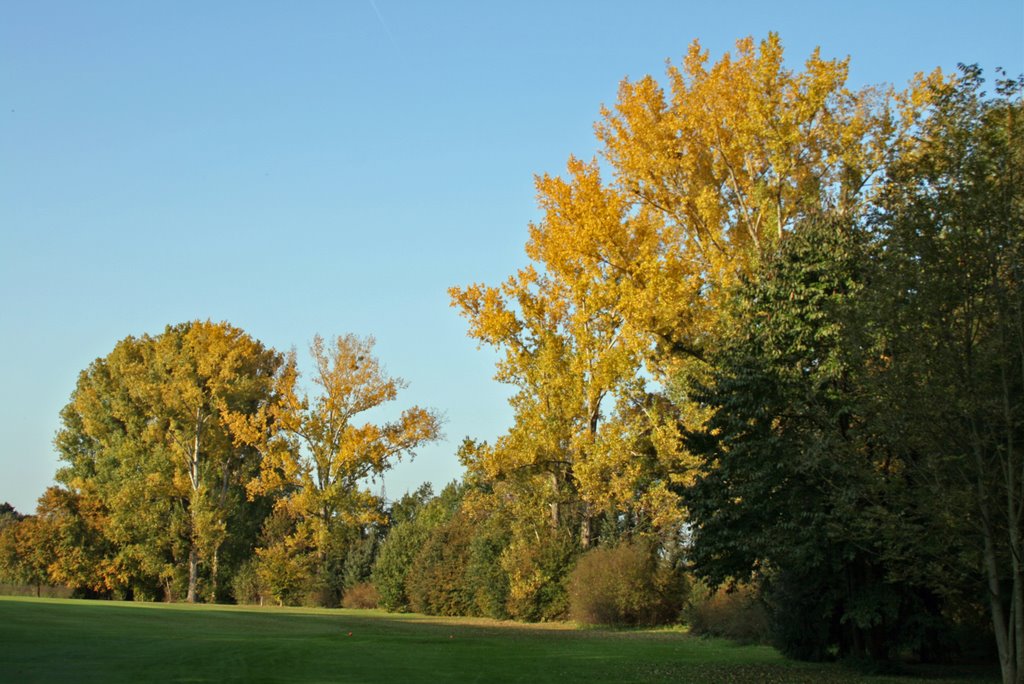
(406, 539)
(436, 581)
(952, 367)
(486, 581)
(791, 464)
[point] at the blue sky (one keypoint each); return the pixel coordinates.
(333, 167)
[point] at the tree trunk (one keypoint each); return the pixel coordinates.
(586, 527)
(1018, 636)
(193, 573)
(1002, 627)
(1014, 505)
(553, 506)
(213, 577)
(193, 474)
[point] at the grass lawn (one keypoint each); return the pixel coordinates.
(60, 640)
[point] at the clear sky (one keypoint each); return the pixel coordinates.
(311, 167)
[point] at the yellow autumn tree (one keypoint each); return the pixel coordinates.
(193, 379)
(151, 464)
(318, 454)
(633, 259)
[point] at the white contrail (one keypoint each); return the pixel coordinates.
(384, 25)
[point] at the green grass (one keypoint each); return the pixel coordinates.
(60, 640)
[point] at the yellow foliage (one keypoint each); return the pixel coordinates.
(630, 274)
(316, 455)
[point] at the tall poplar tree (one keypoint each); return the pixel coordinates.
(632, 265)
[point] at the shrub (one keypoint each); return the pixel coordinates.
(485, 579)
(404, 542)
(359, 560)
(362, 595)
(737, 614)
(624, 585)
(396, 555)
(43, 590)
(245, 585)
(437, 579)
(282, 574)
(537, 567)
(319, 595)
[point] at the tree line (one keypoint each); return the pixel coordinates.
(191, 457)
(773, 339)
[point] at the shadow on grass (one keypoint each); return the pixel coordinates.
(98, 641)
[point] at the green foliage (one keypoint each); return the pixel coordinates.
(436, 580)
(360, 558)
(867, 408)
(780, 411)
(399, 550)
(951, 381)
(485, 581)
(444, 557)
(245, 585)
(538, 571)
(791, 465)
(282, 565)
(396, 556)
(284, 574)
(627, 584)
(408, 506)
(396, 552)
(149, 448)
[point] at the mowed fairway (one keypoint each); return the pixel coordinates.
(52, 640)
